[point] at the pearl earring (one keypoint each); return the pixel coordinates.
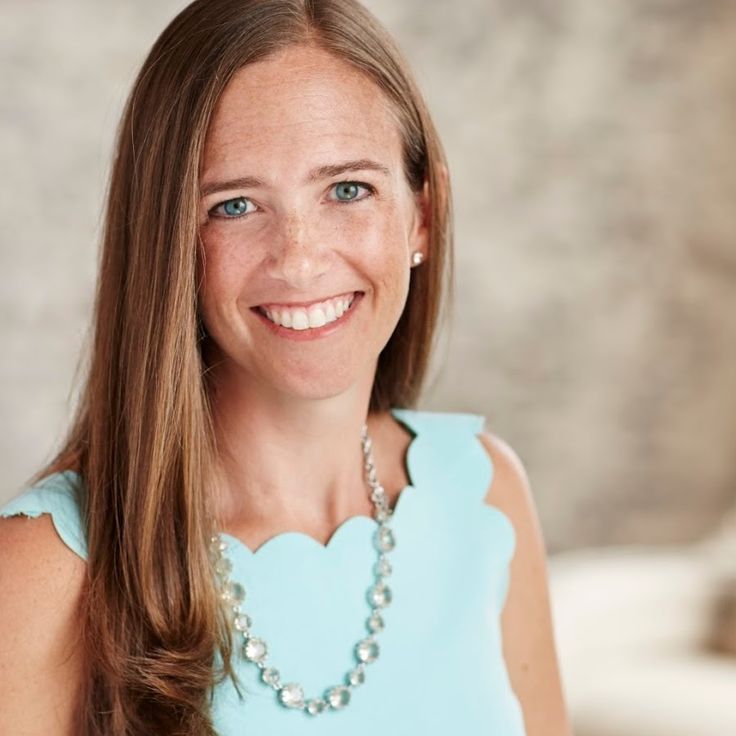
(417, 257)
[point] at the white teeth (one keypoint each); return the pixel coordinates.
(317, 315)
(300, 320)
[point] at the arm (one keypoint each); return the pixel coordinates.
(529, 647)
(41, 581)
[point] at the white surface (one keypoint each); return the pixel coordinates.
(632, 626)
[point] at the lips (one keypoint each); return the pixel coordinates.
(317, 315)
(310, 333)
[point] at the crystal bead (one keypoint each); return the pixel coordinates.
(382, 567)
(356, 676)
(255, 649)
(223, 566)
(242, 622)
(379, 595)
(367, 650)
(233, 592)
(385, 539)
(217, 544)
(316, 706)
(292, 695)
(375, 623)
(271, 676)
(338, 697)
(378, 494)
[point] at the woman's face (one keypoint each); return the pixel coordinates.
(304, 199)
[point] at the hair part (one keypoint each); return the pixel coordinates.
(157, 638)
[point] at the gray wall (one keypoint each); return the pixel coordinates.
(591, 146)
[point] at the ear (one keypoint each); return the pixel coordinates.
(419, 236)
(420, 232)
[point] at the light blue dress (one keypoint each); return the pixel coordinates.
(441, 668)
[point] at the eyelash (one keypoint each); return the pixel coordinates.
(370, 189)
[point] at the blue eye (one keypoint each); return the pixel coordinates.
(231, 208)
(347, 191)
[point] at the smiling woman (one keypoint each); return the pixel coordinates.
(294, 242)
(277, 249)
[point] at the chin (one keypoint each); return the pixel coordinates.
(325, 382)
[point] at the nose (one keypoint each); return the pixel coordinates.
(298, 255)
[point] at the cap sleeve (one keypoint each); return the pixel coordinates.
(58, 495)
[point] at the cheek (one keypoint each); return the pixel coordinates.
(382, 257)
(222, 269)
(389, 243)
(377, 233)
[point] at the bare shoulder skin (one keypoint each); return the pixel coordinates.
(41, 584)
(528, 637)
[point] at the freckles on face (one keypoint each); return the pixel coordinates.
(281, 118)
(286, 133)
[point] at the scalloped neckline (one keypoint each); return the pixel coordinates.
(346, 524)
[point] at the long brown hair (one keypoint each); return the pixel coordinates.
(142, 436)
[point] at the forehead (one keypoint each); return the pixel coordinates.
(301, 104)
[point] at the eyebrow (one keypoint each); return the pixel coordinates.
(321, 172)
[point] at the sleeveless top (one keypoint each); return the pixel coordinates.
(440, 668)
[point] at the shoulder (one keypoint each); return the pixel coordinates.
(528, 633)
(59, 496)
(510, 492)
(40, 558)
(32, 552)
(42, 579)
(42, 583)
(510, 489)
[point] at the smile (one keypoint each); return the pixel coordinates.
(318, 320)
(316, 315)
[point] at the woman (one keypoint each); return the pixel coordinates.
(248, 529)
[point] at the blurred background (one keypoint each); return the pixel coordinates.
(594, 171)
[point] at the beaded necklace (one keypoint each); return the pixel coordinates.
(366, 650)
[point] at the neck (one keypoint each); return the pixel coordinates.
(289, 463)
